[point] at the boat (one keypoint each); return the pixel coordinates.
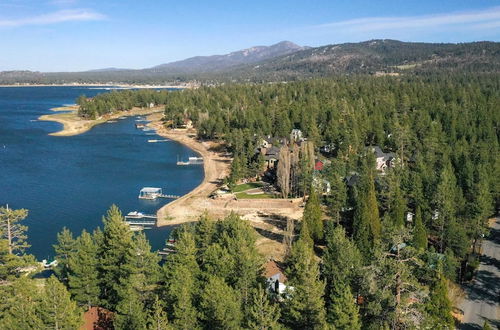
(135, 215)
(136, 218)
(140, 125)
(47, 264)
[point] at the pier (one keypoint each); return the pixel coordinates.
(136, 218)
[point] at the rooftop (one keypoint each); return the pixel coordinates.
(150, 190)
(272, 268)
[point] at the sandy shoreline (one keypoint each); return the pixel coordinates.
(216, 168)
(74, 125)
(267, 216)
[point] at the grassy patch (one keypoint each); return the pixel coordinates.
(406, 66)
(246, 186)
(243, 195)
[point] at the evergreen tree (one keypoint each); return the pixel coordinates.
(204, 232)
(304, 308)
(342, 260)
(130, 311)
(261, 313)
(19, 308)
(12, 230)
(399, 209)
(158, 317)
(439, 306)
(115, 249)
(238, 239)
(142, 266)
(419, 232)
(57, 310)
(366, 225)
(342, 311)
(181, 273)
(220, 305)
(83, 276)
(64, 248)
(481, 206)
(313, 216)
(446, 196)
(11, 264)
(337, 197)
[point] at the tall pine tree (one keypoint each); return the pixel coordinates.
(115, 249)
(83, 276)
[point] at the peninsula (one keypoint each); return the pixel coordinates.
(75, 125)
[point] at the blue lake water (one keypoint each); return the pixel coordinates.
(72, 181)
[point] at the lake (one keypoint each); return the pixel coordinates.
(72, 181)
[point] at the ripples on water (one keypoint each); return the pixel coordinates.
(72, 181)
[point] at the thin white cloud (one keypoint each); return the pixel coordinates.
(486, 17)
(60, 16)
(63, 2)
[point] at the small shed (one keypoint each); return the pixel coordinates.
(150, 193)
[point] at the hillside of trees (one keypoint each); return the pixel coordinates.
(376, 57)
(369, 57)
(355, 259)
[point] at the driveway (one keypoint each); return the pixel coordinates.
(483, 294)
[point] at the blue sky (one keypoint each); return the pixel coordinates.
(73, 35)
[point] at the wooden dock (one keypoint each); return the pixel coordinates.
(170, 196)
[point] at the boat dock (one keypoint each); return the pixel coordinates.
(191, 161)
(136, 218)
(153, 141)
(154, 193)
(168, 249)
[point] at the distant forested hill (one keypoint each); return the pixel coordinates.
(287, 61)
(378, 57)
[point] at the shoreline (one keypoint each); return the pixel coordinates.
(215, 167)
(262, 214)
(116, 86)
(75, 125)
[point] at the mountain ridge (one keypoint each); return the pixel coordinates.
(218, 62)
(286, 61)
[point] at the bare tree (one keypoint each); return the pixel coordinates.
(283, 171)
(12, 230)
(288, 235)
